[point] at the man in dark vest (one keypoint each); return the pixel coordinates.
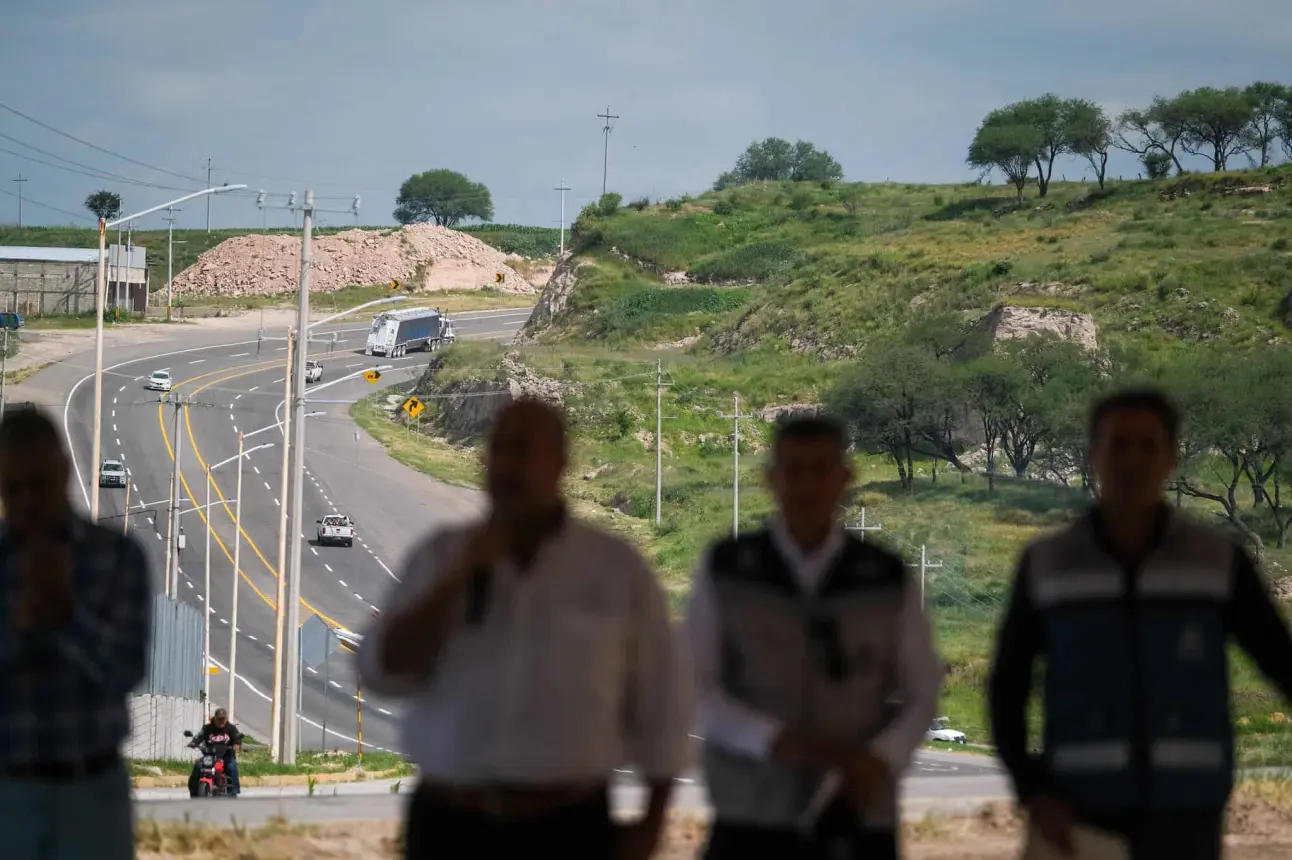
(816, 670)
(1131, 608)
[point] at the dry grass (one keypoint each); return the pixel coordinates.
(1259, 826)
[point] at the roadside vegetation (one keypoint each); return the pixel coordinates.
(255, 762)
(875, 300)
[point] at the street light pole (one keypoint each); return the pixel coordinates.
(100, 289)
(206, 602)
(172, 516)
(280, 595)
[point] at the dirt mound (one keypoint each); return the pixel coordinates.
(423, 256)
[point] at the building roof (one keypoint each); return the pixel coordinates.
(48, 255)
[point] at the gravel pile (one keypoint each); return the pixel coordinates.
(423, 256)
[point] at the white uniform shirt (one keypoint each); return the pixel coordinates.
(726, 721)
(573, 670)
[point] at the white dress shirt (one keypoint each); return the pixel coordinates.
(574, 669)
(729, 722)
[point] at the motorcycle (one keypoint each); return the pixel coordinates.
(212, 780)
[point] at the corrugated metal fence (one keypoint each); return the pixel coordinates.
(170, 698)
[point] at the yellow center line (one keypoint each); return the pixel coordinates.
(255, 368)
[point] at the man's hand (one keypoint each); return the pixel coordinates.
(46, 585)
(636, 841)
(1054, 819)
(802, 748)
(865, 776)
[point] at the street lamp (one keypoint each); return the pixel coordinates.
(206, 588)
(100, 287)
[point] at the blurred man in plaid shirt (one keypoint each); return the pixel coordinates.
(75, 619)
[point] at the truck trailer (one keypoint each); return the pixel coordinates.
(396, 332)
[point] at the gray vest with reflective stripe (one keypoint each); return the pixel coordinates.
(823, 662)
(1137, 684)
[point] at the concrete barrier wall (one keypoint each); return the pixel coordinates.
(158, 724)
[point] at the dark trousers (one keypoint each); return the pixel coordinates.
(1178, 835)
(438, 831)
(838, 836)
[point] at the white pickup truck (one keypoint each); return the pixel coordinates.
(336, 528)
(313, 371)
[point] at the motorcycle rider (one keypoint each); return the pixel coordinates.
(219, 730)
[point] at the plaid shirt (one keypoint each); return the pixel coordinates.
(63, 690)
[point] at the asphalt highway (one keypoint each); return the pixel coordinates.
(238, 386)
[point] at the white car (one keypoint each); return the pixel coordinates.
(159, 381)
(313, 371)
(336, 528)
(112, 474)
(939, 732)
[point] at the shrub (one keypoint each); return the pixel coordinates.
(723, 206)
(635, 310)
(608, 204)
(639, 204)
(673, 204)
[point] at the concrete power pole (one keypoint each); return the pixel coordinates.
(659, 438)
(735, 416)
(170, 247)
(280, 599)
(291, 680)
(862, 527)
(172, 510)
(605, 158)
(925, 566)
(561, 188)
(20, 180)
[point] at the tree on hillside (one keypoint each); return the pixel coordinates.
(1157, 164)
(1157, 128)
(1216, 123)
(1269, 100)
(1048, 115)
(104, 204)
(1005, 143)
(1090, 135)
(1284, 125)
(776, 159)
(992, 390)
(442, 197)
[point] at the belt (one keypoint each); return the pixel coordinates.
(62, 771)
(511, 801)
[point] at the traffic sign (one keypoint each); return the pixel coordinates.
(499, 278)
(318, 642)
(214, 670)
(413, 407)
(395, 283)
(372, 375)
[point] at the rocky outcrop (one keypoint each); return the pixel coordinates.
(787, 411)
(466, 407)
(553, 300)
(1007, 322)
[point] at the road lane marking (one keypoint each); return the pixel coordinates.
(257, 468)
(197, 361)
(329, 567)
(240, 355)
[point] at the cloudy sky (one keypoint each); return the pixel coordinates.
(351, 98)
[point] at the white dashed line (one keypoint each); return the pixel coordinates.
(312, 670)
(189, 584)
(252, 388)
(159, 537)
(267, 487)
(197, 361)
(276, 502)
(118, 441)
(114, 427)
(280, 349)
(278, 380)
(235, 428)
(240, 355)
(231, 417)
(384, 711)
(329, 568)
(356, 596)
(335, 684)
(238, 397)
(313, 550)
(257, 468)
(122, 388)
(252, 638)
(343, 585)
(224, 621)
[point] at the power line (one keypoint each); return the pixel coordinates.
(93, 173)
(47, 206)
(106, 173)
(95, 146)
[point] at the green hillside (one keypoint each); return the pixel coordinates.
(802, 294)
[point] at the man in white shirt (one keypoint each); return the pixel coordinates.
(536, 656)
(816, 669)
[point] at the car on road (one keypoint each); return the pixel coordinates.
(336, 528)
(159, 381)
(939, 732)
(112, 473)
(11, 320)
(313, 371)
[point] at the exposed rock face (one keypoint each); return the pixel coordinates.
(1007, 322)
(467, 407)
(553, 300)
(421, 255)
(787, 411)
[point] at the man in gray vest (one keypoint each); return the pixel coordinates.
(816, 670)
(1131, 608)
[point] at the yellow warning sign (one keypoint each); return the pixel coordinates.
(413, 407)
(214, 670)
(499, 278)
(395, 283)
(372, 375)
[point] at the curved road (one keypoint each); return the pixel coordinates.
(239, 390)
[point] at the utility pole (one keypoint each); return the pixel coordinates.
(208, 197)
(561, 188)
(170, 247)
(605, 158)
(280, 598)
(862, 527)
(172, 511)
(659, 438)
(735, 416)
(116, 277)
(237, 550)
(20, 180)
(130, 246)
(291, 674)
(925, 566)
(4, 361)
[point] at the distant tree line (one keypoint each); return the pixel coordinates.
(1023, 140)
(776, 160)
(942, 392)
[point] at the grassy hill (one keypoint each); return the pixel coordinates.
(767, 290)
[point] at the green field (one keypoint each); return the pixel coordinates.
(788, 282)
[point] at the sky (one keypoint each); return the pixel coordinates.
(352, 98)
